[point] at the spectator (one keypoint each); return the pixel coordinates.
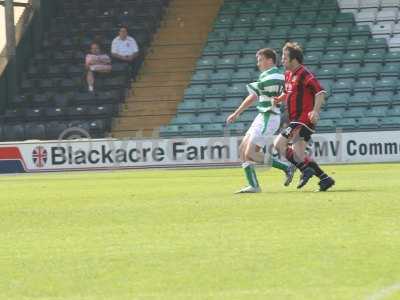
(96, 62)
(124, 47)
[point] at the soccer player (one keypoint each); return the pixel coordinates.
(267, 122)
(304, 97)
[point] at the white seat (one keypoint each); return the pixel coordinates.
(394, 44)
(369, 3)
(354, 11)
(387, 15)
(366, 16)
(396, 28)
(390, 3)
(349, 4)
(382, 30)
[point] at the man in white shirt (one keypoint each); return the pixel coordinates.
(124, 47)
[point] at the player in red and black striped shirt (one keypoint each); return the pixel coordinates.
(304, 97)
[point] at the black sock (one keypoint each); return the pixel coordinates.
(318, 171)
(290, 157)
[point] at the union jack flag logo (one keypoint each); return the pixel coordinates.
(39, 156)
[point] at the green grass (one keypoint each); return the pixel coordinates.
(174, 234)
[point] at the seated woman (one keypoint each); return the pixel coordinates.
(96, 62)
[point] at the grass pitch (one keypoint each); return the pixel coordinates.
(174, 234)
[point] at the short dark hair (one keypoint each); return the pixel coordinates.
(124, 26)
(268, 53)
(294, 50)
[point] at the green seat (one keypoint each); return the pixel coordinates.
(354, 56)
(354, 112)
(183, 118)
(368, 123)
(392, 56)
(306, 18)
(390, 122)
(326, 125)
(348, 71)
(191, 129)
(327, 85)
(216, 91)
(320, 31)
(227, 62)
(364, 85)
(395, 99)
(250, 7)
(332, 57)
(325, 18)
(312, 58)
(195, 92)
(340, 30)
(360, 99)
(213, 49)
(280, 33)
(252, 47)
(378, 111)
(263, 21)
(343, 86)
(284, 20)
(230, 8)
(169, 131)
(327, 71)
(210, 105)
(288, 7)
(243, 21)
(375, 56)
(332, 113)
(391, 70)
(205, 118)
(224, 21)
(230, 104)
(370, 70)
(394, 111)
(221, 76)
(386, 84)
(201, 77)
(237, 89)
(242, 76)
(213, 129)
(206, 63)
(188, 106)
(247, 61)
(382, 98)
(317, 45)
(239, 34)
(360, 30)
(357, 43)
(377, 43)
(258, 34)
(299, 32)
(217, 36)
(233, 48)
(337, 100)
(347, 123)
(337, 44)
(344, 18)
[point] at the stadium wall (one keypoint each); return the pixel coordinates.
(107, 154)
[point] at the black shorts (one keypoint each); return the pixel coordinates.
(305, 131)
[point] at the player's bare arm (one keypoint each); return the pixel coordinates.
(279, 99)
(319, 101)
(247, 102)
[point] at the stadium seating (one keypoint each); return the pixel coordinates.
(52, 93)
(349, 44)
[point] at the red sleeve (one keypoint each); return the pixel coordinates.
(313, 84)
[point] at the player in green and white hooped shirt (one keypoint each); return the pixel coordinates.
(269, 85)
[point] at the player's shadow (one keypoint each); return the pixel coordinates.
(334, 190)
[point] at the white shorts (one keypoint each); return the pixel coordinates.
(263, 127)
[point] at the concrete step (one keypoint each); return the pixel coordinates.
(171, 51)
